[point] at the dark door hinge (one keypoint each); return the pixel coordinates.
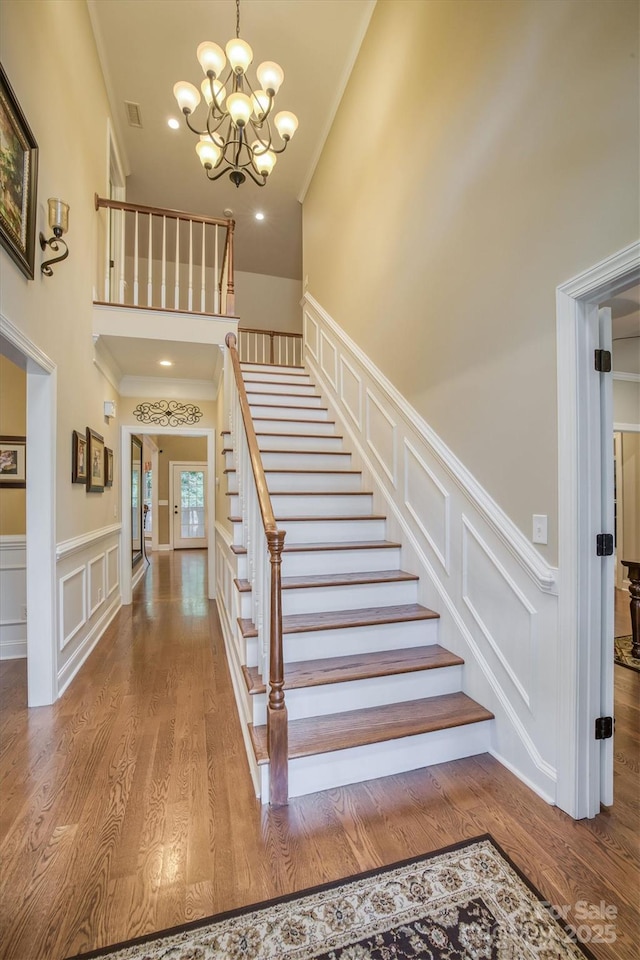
(604, 728)
(603, 361)
(604, 545)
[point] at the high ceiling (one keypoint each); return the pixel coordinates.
(146, 47)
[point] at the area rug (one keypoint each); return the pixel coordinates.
(622, 653)
(468, 902)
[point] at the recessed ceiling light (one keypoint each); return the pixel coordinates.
(259, 216)
(173, 123)
(165, 363)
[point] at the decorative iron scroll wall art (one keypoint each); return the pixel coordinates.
(167, 413)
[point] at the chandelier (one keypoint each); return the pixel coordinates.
(238, 138)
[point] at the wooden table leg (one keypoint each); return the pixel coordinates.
(634, 589)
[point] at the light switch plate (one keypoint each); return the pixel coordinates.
(539, 528)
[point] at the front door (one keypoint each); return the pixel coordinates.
(189, 505)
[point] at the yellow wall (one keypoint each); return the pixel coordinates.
(48, 52)
(483, 153)
(13, 423)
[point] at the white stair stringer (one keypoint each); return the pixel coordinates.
(337, 563)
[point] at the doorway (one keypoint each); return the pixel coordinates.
(188, 502)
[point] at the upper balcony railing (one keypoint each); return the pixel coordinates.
(167, 259)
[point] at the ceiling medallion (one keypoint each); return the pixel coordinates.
(236, 113)
(167, 413)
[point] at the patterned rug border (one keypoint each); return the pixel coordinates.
(621, 662)
(321, 888)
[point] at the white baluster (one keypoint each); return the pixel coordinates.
(122, 252)
(107, 258)
(203, 296)
(163, 285)
(150, 264)
(135, 259)
(190, 297)
(216, 289)
(176, 300)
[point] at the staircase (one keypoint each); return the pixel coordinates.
(369, 691)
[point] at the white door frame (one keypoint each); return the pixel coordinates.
(183, 463)
(580, 453)
(126, 432)
(42, 652)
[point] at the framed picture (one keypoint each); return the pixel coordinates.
(108, 467)
(13, 461)
(79, 458)
(95, 462)
(19, 178)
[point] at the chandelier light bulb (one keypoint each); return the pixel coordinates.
(208, 151)
(239, 106)
(187, 96)
(239, 54)
(286, 124)
(265, 162)
(219, 88)
(211, 57)
(270, 76)
(261, 102)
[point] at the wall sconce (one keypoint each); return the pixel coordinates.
(59, 223)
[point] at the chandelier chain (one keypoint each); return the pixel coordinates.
(237, 19)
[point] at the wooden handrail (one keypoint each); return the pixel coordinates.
(271, 333)
(160, 211)
(277, 726)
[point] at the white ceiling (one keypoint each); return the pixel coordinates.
(137, 357)
(146, 47)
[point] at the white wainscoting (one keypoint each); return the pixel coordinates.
(88, 594)
(496, 595)
(228, 611)
(13, 597)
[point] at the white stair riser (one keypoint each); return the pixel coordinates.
(319, 505)
(329, 770)
(312, 563)
(305, 460)
(318, 442)
(285, 370)
(313, 505)
(281, 389)
(336, 531)
(347, 641)
(284, 481)
(258, 398)
(357, 694)
(269, 377)
(301, 425)
(352, 597)
(269, 411)
(318, 644)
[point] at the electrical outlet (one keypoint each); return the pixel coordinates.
(539, 528)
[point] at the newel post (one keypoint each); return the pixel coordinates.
(231, 298)
(277, 730)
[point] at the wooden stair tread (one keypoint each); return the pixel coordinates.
(292, 420)
(338, 619)
(296, 436)
(313, 519)
(312, 493)
(338, 579)
(291, 368)
(383, 663)
(327, 471)
(330, 545)
(283, 406)
(313, 453)
(356, 728)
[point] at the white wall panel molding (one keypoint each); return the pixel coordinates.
(428, 502)
(476, 569)
(329, 360)
(627, 427)
(491, 595)
(10, 542)
(72, 604)
(13, 597)
(623, 375)
(311, 335)
(381, 432)
(113, 569)
(351, 392)
(67, 547)
(73, 663)
(96, 585)
(544, 575)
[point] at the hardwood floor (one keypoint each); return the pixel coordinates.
(127, 807)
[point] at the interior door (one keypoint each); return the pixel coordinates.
(189, 487)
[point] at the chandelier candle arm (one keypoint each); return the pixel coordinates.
(247, 111)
